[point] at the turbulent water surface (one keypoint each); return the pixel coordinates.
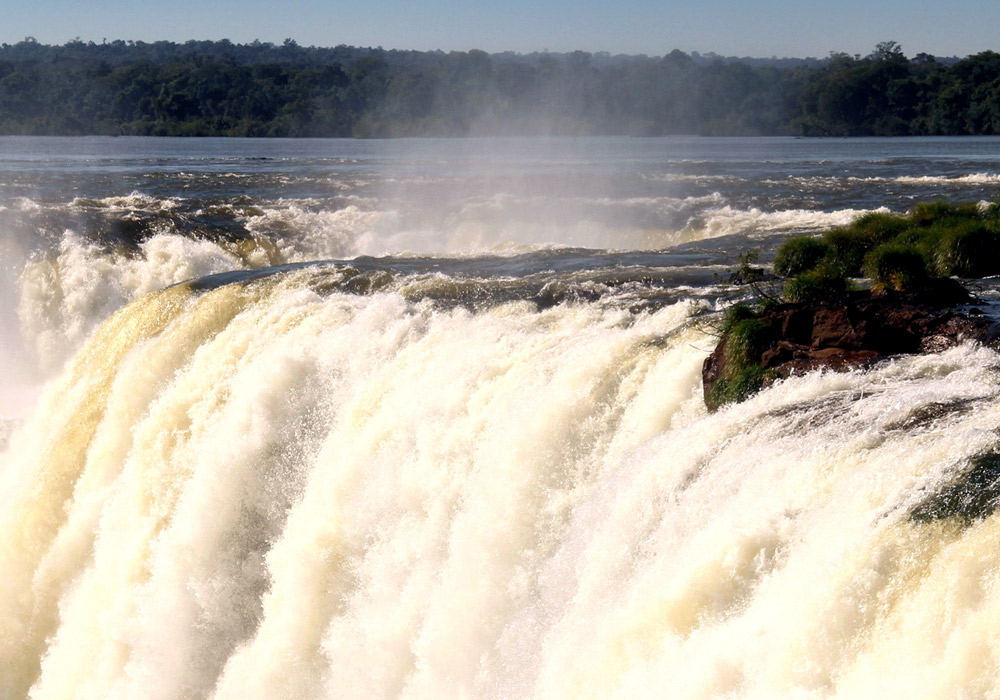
(423, 419)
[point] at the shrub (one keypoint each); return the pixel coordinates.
(734, 314)
(895, 266)
(850, 244)
(991, 214)
(746, 340)
(928, 214)
(820, 286)
(968, 250)
(879, 225)
(735, 388)
(799, 254)
(848, 248)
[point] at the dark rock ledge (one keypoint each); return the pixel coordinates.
(794, 338)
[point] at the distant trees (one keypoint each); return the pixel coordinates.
(886, 94)
(262, 89)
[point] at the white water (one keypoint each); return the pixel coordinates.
(261, 492)
(66, 289)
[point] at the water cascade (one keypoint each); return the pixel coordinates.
(265, 489)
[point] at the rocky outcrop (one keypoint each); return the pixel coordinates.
(863, 329)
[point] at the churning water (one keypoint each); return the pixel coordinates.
(423, 419)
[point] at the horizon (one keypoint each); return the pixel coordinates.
(773, 29)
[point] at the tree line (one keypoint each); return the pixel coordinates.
(217, 88)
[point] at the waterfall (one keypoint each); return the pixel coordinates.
(268, 489)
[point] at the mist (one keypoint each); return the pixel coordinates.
(20, 375)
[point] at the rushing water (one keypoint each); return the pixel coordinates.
(423, 419)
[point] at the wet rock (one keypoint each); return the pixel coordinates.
(857, 333)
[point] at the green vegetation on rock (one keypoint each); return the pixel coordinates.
(744, 336)
(816, 286)
(895, 267)
(850, 244)
(820, 319)
(970, 249)
(736, 387)
(746, 339)
(800, 254)
(898, 252)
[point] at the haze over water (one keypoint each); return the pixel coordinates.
(423, 419)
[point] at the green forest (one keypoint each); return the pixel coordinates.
(218, 88)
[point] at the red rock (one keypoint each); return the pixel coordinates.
(861, 331)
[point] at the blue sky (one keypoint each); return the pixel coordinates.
(729, 27)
